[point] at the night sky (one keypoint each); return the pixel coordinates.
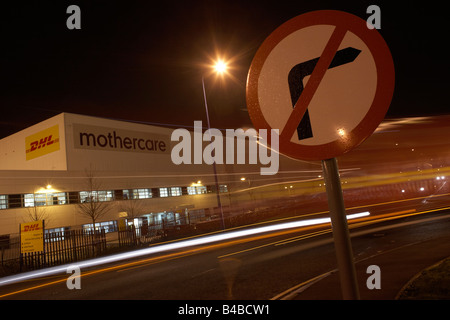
(143, 60)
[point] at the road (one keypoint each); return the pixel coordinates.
(255, 266)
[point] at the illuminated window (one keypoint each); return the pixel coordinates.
(104, 195)
(191, 190)
(196, 190)
(40, 199)
(163, 192)
(223, 188)
(85, 196)
(108, 226)
(3, 201)
(44, 199)
(175, 191)
(142, 193)
(28, 200)
(59, 198)
(55, 234)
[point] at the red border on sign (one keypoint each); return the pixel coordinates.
(380, 104)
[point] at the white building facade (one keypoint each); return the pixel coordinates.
(47, 166)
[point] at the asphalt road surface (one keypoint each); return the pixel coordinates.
(258, 266)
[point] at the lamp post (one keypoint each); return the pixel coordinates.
(220, 67)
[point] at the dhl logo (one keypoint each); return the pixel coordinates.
(43, 142)
(32, 227)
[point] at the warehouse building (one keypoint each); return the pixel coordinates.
(53, 166)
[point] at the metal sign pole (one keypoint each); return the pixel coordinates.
(344, 253)
(219, 203)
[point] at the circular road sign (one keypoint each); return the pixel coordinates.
(324, 80)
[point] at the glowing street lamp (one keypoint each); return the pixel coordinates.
(220, 67)
(243, 179)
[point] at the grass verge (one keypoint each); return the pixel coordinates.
(431, 284)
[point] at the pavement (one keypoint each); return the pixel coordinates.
(397, 267)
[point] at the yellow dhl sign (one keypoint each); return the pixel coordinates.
(32, 236)
(41, 143)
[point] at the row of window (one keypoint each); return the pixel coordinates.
(48, 199)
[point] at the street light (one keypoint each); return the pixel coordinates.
(220, 67)
(243, 179)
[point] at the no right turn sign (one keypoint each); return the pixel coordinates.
(324, 80)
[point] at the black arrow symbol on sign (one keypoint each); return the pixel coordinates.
(301, 70)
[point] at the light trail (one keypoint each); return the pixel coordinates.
(171, 246)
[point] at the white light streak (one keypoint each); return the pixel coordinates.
(171, 246)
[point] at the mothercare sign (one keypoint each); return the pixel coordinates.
(112, 139)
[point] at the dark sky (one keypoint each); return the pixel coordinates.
(143, 60)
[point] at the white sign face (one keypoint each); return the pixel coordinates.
(343, 97)
(333, 71)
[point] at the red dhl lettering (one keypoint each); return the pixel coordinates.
(43, 142)
(32, 227)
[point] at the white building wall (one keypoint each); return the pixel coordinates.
(39, 147)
